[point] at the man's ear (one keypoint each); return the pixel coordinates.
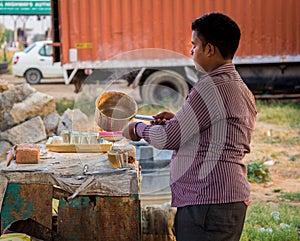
(211, 49)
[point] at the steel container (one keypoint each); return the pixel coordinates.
(114, 110)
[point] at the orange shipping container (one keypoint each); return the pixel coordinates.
(102, 29)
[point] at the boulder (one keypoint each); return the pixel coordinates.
(36, 104)
(51, 122)
(14, 95)
(31, 131)
(4, 85)
(4, 147)
(8, 98)
(73, 120)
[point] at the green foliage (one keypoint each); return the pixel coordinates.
(147, 109)
(261, 223)
(63, 104)
(86, 104)
(258, 172)
(83, 102)
(283, 114)
(291, 196)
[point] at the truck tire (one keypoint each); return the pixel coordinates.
(162, 86)
(33, 76)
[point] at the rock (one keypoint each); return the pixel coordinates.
(8, 98)
(31, 131)
(269, 163)
(73, 120)
(36, 104)
(14, 95)
(4, 85)
(51, 122)
(4, 147)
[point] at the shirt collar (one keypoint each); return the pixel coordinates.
(229, 67)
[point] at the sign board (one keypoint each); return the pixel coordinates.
(29, 7)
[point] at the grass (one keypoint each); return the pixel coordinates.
(295, 197)
(258, 172)
(282, 114)
(261, 223)
(63, 104)
(86, 104)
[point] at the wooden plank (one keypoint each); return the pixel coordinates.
(100, 218)
(82, 148)
(76, 219)
(27, 201)
(119, 219)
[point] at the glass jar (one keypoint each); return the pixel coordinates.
(75, 137)
(65, 134)
(94, 138)
(84, 138)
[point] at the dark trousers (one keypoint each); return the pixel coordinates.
(210, 222)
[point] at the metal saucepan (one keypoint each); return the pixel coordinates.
(114, 110)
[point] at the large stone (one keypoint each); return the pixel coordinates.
(6, 120)
(4, 85)
(73, 120)
(31, 131)
(14, 95)
(4, 147)
(51, 122)
(36, 104)
(8, 98)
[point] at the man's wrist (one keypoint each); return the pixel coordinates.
(134, 130)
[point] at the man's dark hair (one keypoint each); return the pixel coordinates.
(219, 30)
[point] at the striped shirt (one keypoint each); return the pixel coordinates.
(210, 136)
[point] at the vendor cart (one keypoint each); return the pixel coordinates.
(89, 199)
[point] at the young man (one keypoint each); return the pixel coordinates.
(210, 136)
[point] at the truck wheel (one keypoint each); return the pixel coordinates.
(163, 86)
(33, 76)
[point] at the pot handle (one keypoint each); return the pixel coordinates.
(144, 117)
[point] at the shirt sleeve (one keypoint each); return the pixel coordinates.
(195, 115)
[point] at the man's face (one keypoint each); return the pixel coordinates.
(198, 52)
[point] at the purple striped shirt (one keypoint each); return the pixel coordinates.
(210, 136)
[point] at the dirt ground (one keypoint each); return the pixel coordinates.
(285, 171)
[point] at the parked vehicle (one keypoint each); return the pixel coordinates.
(109, 37)
(36, 62)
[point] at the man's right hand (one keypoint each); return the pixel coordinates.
(162, 118)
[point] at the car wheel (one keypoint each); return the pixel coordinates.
(165, 87)
(33, 76)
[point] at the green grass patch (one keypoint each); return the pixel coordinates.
(146, 109)
(63, 104)
(258, 172)
(295, 197)
(271, 223)
(86, 104)
(283, 114)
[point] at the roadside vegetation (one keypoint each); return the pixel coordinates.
(272, 222)
(279, 113)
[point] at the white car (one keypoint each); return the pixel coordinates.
(36, 62)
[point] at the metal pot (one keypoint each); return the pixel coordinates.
(114, 110)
